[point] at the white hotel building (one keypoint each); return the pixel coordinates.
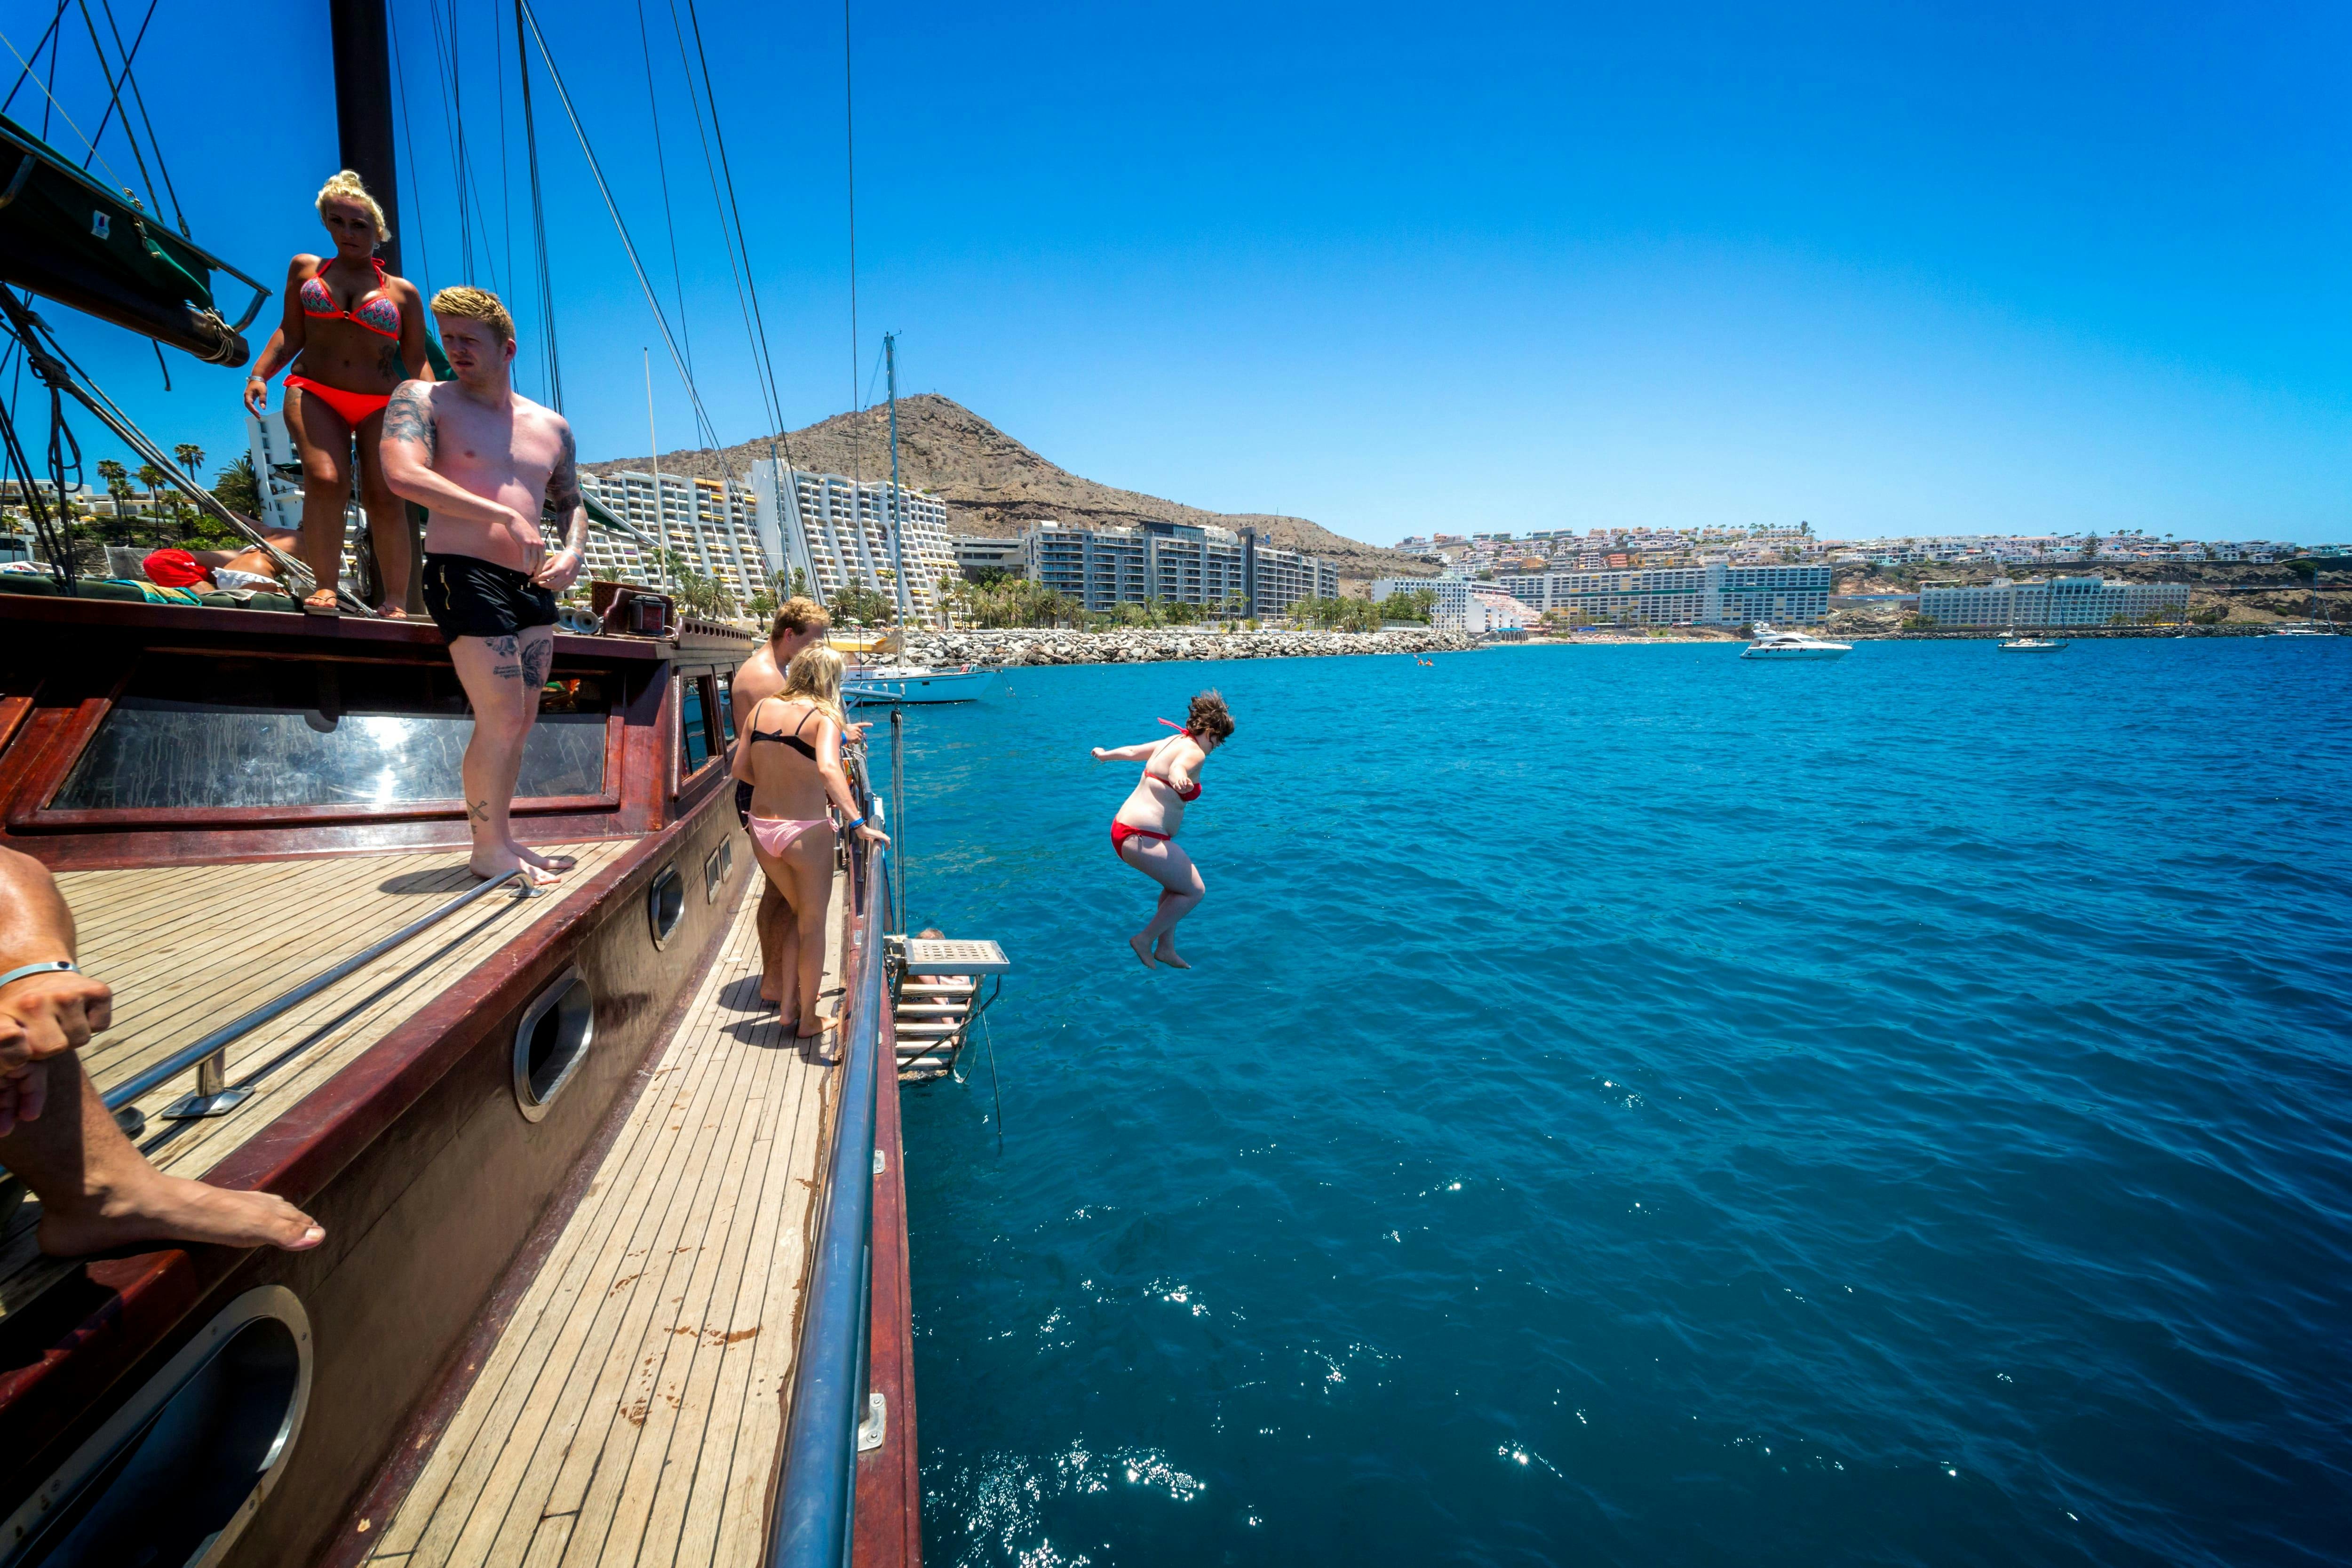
(1102, 568)
(1716, 593)
(2059, 602)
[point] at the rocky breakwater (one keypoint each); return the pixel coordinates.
(1138, 646)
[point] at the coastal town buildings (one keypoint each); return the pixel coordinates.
(976, 553)
(2084, 601)
(836, 532)
(1460, 604)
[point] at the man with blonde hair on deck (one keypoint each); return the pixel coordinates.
(487, 462)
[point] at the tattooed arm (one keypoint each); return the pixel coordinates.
(560, 569)
(406, 452)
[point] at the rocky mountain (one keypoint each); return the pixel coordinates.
(994, 486)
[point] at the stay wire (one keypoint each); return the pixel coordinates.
(49, 92)
(661, 164)
(537, 208)
(114, 90)
(742, 238)
(408, 139)
(452, 137)
(849, 148)
(139, 101)
(736, 264)
(47, 33)
(113, 103)
(506, 147)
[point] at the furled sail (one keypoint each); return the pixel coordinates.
(66, 236)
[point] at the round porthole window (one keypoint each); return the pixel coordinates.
(666, 904)
(552, 1041)
(178, 1472)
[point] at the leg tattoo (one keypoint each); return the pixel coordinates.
(537, 655)
(505, 648)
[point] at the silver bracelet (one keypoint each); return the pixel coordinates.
(49, 966)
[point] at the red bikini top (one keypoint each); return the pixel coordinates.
(1181, 794)
(379, 315)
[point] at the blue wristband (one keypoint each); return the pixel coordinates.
(49, 966)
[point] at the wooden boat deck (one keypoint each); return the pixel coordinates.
(189, 948)
(630, 1409)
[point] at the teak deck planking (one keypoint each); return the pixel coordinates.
(631, 1410)
(187, 948)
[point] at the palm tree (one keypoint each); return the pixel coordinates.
(118, 486)
(152, 477)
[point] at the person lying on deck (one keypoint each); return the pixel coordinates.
(794, 778)
(1143, 833)
(213, 569)
(96, 1192)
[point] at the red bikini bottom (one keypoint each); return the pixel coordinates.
(1120, 833)
(354, 406)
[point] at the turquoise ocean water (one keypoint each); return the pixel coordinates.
(1639, 1107)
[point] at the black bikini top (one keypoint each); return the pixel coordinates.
(792, 740)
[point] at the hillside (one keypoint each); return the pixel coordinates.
(994, 486)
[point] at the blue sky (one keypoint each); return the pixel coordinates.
(1958, 269)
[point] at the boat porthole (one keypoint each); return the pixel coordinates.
(715, 868)
(666, 904)
(552, 1041)
(180, 1467)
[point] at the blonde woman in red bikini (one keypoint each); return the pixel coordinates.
(790, 756)
(358, 333)
(1143, 834)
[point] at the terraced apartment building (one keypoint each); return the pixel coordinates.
(1718, 593)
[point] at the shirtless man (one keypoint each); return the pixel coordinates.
(55, 1135)
(485, 461)
(800, 623)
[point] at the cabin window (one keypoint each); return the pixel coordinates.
(693, 724)
(200, 729)
(726, 684)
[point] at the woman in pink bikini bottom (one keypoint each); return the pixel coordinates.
(795, 775)
(1143, 834)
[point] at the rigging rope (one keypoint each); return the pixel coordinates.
(408, 140)
(743, 239)
(47, 34)
(114, 88)
(139, 99)
(735, 265)
(661, 163)
(114, 103)
(702, 415)
(537, 208)
(849, 146)
(60, 109)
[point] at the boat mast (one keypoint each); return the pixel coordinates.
(363, 52)
(898, 555)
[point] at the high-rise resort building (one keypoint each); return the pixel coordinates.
(1716, 593)
(2059, 602)
(976, 553)
(1194, 564)
(708, 523)
(838, 531)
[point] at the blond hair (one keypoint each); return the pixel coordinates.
(347, 187)
(796, 615)
(471, 304)
(814, 677)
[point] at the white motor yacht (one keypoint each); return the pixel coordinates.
(1771, 644)
(915, 684)
(2012, 641)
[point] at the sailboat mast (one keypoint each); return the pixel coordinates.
(362, 50)
(897, 523)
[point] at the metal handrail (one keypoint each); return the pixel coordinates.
(817, 1497)
(209, 1056)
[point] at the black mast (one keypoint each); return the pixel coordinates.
(364, 108)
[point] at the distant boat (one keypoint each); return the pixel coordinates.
(2304, 629)
(2013, 642)
(890, 684)
(1771, 644)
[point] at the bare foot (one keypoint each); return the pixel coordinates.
(1166, 952)
(391, 613)
(493, 867)
(168, 1208)
(1141, 951)
(531, 856)
(322, 602)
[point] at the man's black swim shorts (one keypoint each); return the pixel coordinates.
(470, 597)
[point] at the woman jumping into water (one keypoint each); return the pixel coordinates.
(1143, 834)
